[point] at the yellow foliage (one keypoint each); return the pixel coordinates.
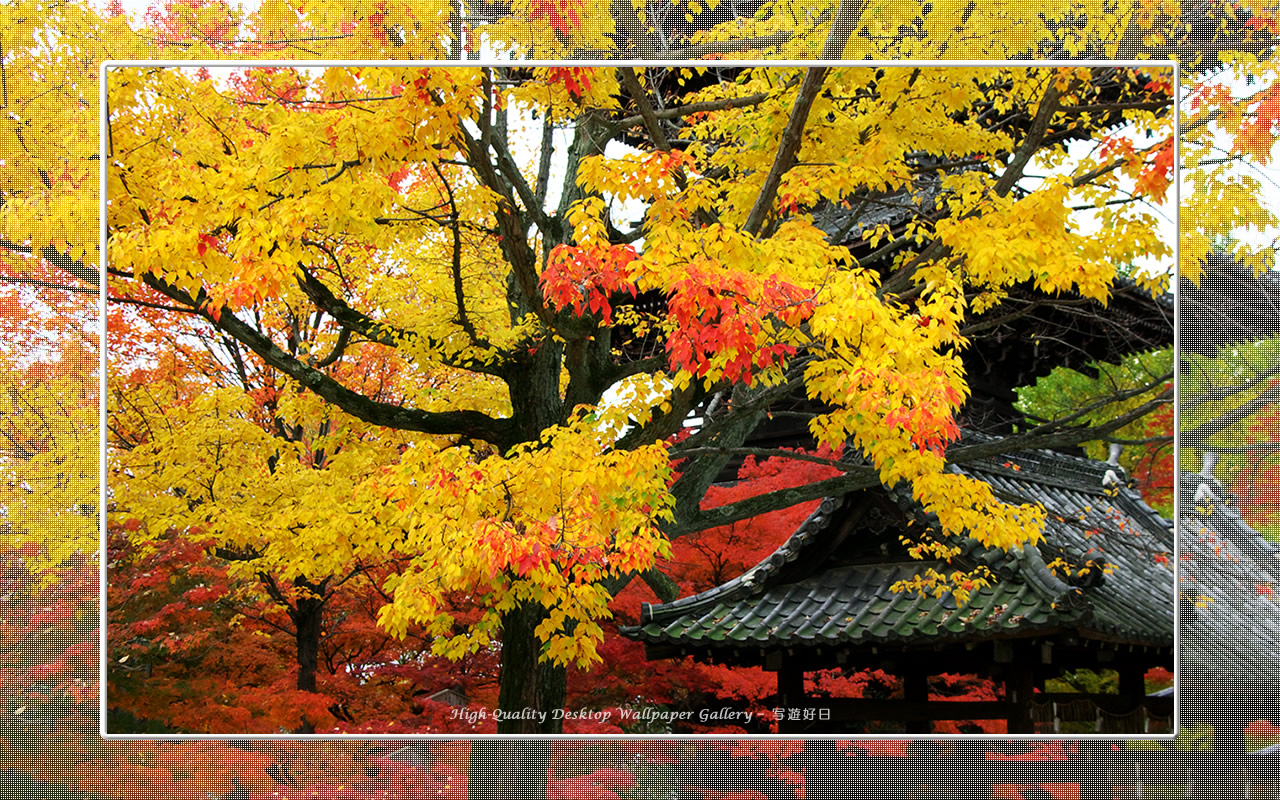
(400, 207)
(49, 467)
(547, 521)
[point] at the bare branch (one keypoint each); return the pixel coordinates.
(632, 84)
(763, 452)
(47, 284)
(1035, 135)
(863, 477)
(735, 46)
(339, 347)
(58, 258)
(455, 262)
(1199, 435)
(695, 108)
(847, 15)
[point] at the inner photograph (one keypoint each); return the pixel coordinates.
(730, 400)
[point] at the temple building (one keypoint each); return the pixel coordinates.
(1097, 592)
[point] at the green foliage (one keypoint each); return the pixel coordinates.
(1116, 389)
(1228, 406)
(1086, 681)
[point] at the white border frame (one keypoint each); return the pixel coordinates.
(108, 65)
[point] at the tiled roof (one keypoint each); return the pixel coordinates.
(847, 605)
(1094, 515)
(1228, 617)
(1229, 304)
(799, 597)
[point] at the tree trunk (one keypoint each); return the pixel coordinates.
(307, 621)
(530, 692)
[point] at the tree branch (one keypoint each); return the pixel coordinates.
(470, 424)
(632, 84)
(339, 347)
(862, 477)
(847, 15)
(857, 477)
(1199, 435)
(788, 148)
(764, 452)
(348, 317)
(748, 408)
(1225, 392)
(48, 285)
(694, 108)
(735, 46)
(545, 152)
(662, 584)
(455, 263)
(1035, 135)
(511, 171)
(1103, 402)
(513, 232)
(57, 258)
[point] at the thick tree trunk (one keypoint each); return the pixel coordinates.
(530, 692)
(307, 621)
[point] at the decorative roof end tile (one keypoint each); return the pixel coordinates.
(1205, 495)
(1210, 461)
(1113, 454)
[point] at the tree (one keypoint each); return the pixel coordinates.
(47, 458)
(269, 462)
(47, 659)
(194, 649)
(312, 239)
(48, 529)
(1146, 444)
(1196, 33)
(1230, 416)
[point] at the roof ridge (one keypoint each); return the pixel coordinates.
(1218, 504)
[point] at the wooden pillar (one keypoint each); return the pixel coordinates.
(915, 692)
(1019, 684)
(790, 694)
(1133, 683)
(1095, 775)
(1229, 750)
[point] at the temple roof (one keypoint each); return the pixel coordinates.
(1229, 305)
(829, 583)
(1065, 329)
(1228, 617)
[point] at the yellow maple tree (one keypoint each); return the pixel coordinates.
(48, 134)
(309, 217)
